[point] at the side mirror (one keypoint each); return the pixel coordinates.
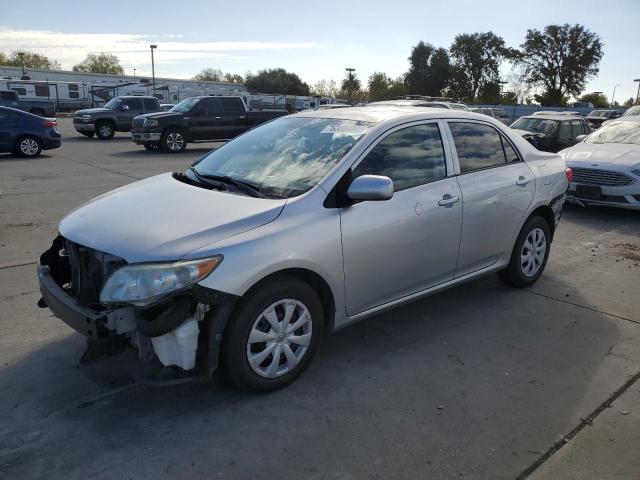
(370, 188)
(124, 108)
(580, 138)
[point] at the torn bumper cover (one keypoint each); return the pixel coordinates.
(178, 330)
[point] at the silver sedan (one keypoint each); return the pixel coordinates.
(298, 227)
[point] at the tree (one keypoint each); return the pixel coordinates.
(398, 87)
(459, 85)
(629, 103)
(560, 59)
(325, 88)
(276, 80)
(100, 63)
(233, 78)
(3, 59)
(598, 99)
(429, 70)
(350, 86)
(477, 56)
(23, 58)
(379, 85)
(209, 75)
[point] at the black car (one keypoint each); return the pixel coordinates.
(552, 133)
(26, 134)
(596, 118)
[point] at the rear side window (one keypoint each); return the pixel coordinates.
(576, 128)
(211, 105)
(478, 146)
(42, 90)
(150, 104)
(233, 105)
(410, 157)
(134, 103)
(565, 130)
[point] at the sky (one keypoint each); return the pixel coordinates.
(316, 41)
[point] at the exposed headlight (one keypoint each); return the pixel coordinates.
(143, 284)
(150, 122)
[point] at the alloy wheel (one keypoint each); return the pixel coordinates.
(175, 141)
(105, 131)
(279, 338)
(29, 147)
(533, 252)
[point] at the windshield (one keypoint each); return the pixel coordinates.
(616, 132)
(459, 106)
(113, 104)
(285, 157)
(185, 105)
(537, 125)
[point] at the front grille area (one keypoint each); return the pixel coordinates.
(137, 123)
(605, 178)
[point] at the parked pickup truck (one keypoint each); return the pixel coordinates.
(196, 119)
(116, 115)
(43, 108)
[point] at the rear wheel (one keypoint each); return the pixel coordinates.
(105, 130)
(272, 335)
(530, 254)
(28, 146)
(173, 140)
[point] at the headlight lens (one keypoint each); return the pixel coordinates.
(143, 284)
(86, 116)
(150, 122)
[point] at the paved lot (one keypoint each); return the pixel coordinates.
(481, 381)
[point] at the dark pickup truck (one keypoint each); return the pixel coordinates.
(197, 119)
(42, 108)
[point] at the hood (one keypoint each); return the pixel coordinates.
(92, 110)
(161, 218)
(160, 115)
(593, 154)
(527, 133)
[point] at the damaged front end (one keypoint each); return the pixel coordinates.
(159, 309)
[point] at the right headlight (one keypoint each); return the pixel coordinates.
(146, 283)
(150, 122)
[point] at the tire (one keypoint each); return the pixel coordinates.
(28, 146)
(173, 140)
(294, 349)
(152, 147)
(88, 134)
(530, 254)
(105, 130)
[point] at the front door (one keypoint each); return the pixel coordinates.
(125, 117)
(497, 189)
(401, 246)
(205, 120)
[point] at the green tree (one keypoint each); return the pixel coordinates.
(478, 56)
(100, 63)
(629, 102)
(276, 80)
(560, 59)
(598, 99)
(3, 59)
(233, 78)
(398, 87)
(429, 70)
(209, 75)
(350, 87)
(459, 85)
(379, 85)
(23, 58)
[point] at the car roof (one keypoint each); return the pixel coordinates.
(377, 113)
(555, 116)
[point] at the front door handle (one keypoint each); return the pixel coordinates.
(522, 181)
(448, 200)
(218, 118)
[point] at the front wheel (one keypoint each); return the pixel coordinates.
(28, 147)
(530, 254)
(105, 131)
(272, 335)
(173, 141)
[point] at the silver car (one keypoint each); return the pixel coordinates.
(606, 165)
(296, 228)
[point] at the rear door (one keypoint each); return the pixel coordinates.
(234, 117)
(401, 246)
(565, 138)
(205, 119)
(497, 189)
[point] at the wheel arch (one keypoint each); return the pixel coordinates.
(110, 121)
(22, 136)
(311, 278)
(546, 212)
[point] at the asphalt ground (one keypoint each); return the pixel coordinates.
(481, 381)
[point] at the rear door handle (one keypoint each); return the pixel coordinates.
(448, 200)
(522, 181)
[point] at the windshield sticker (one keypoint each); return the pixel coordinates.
(353, 130)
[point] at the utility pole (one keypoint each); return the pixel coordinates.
(21, 57)
(153, 69)
(134, 72)
(614, 94)
(638, 94)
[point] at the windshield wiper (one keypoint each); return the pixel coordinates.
(246, 187)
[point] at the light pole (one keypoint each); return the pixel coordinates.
(134, 72)
(614, 94)
(637, 94)
(153, 69)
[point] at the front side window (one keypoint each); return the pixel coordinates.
(287, 156)
(478, 146)
(410, 157)
(185, 105)
(113, 104)
(20, 90)
(150, 104)
(565, 130)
